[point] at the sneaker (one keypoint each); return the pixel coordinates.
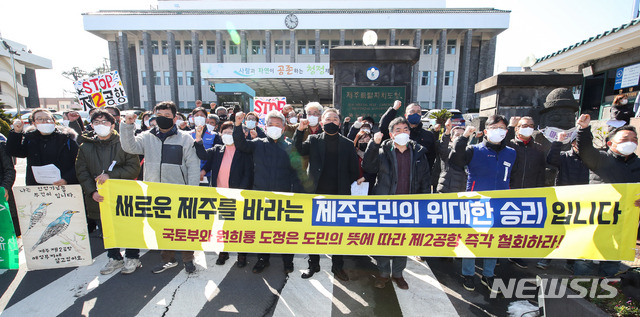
(260, 265)
(519, 262)
(164, 266)
(468, 283)
(543, 264)
(488, 282)
(130, 265)
(111, 266)
(189, 267)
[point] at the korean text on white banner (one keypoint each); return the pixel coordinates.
(54, 226)
(101, 90)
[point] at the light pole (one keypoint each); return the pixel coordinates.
(13, 69)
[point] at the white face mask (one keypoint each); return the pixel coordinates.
(190, 120)
(46, 128)
(227, 139)
(401, 139)
(102, 130)
(365, 130)
(496, 135)
(313, 120)
(179, 122)
(199, 121)
(293, 120)
(65, 123)
(624, 101)
(626, 148)
(274, 132)
(146, 123)
(526, 132)
(211, 128)
(251, 124)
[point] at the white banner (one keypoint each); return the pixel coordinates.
(264, 70)
(54, 226)
(102, 90)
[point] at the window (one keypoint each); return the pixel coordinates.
(191, 104)
(200, 48)
(190, 79)
(425, 78)
(233, 48)
(382, 43)
(257, 47)
(157, 79)
(180, 83)
(404, 43)
(347, 42)
(311, 47)
(143, 74)
(451, 46)
(287, 47)
(335, 43)
(324, 47)
(447, 105)
(204, 82)
(278, 47)
(154, 47)
(145, 104)
(211, 47)
(357, 42)
(427, 47)
(437, 47)
(224, 47)
(178, 47)
(141, 48)
(302, 47)
(167, 78)
(165, 47)
(435, 78)
(448, 78)
(188, 48)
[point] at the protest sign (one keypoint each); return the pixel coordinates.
(54, 226)
(101, 90)
(585, 222)
(262, 105)
(8, 243)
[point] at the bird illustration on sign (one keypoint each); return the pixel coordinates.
(56, 227)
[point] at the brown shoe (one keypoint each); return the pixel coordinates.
(402, 284)
(340, 274)
(380, 282)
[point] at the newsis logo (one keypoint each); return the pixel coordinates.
(526, 288)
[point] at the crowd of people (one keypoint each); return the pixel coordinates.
(311, 151)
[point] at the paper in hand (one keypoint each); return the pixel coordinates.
(46, 174)
(360, 190)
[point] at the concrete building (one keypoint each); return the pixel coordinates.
(21, 82)
(609, 62)
(160, 52)
(60, 104)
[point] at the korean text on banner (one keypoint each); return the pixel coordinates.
(587, 222)
(8, 243)
(101, 90)
(54, 226)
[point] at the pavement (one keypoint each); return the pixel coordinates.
(435, 288)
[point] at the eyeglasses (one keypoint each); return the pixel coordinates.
(102, 122)
(44, 120)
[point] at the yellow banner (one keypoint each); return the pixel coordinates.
(583, 222)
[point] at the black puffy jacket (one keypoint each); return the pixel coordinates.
(453, 178)
(529, 168)
(607, 167)
(571, 170)
(381, 159)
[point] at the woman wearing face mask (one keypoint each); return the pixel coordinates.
(227, 168)
(101, 157)
(622, 109)
(44, 144)
(182, 122)
(251, 122)
(145, 125)
(361, 141)
(209, 138)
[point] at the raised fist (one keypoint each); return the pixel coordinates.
(18, 125)
(397, 104)
(377, 137)
(304, 123)
(513, 121)
(468, 131)
(583, 121)
(130, 118)
(448, 126)
(347, 119)
(199, 132)
(239, 118)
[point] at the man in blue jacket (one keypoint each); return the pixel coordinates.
(489, 165)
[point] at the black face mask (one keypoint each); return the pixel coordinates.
(164, 122)
(331, 128)
(223, 117)
(362, 146)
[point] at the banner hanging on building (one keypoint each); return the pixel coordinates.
(54, 226)
(590, 221)
(101, 90)
(264, 70)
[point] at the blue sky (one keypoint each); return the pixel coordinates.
(53, 29)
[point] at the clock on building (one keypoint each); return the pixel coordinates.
(291, 21)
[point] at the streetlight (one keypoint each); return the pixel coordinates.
(13, 69)
(370, 38)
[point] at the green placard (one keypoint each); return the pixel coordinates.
(370, 101)
(8, 243)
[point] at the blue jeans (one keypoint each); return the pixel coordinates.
(469, 266)
(128, 253)
(384, 265)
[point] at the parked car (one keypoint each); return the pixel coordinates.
(456, 119)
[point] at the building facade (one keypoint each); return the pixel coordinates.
(159, 52)
(18, 76)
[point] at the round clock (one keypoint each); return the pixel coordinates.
(291, 21)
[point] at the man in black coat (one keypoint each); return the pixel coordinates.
(276, 165)
(413, 115)
(333, 166)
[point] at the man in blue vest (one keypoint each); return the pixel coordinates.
(489, 166)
